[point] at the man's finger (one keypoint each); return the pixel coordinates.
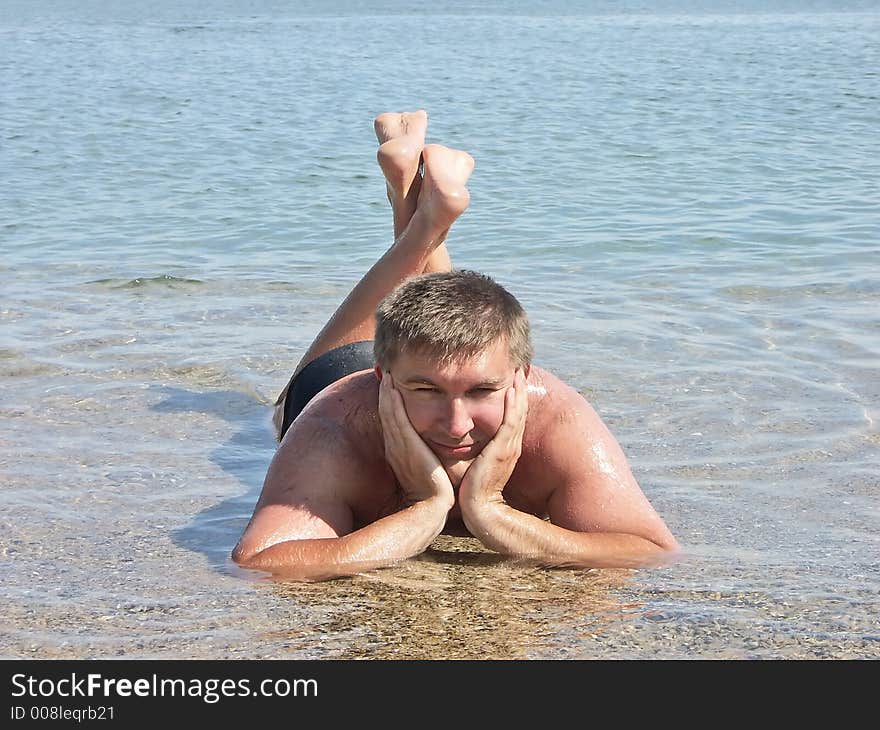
(387, 409)
(523, 390)
(507, 429)
(395, 400)
(403, 426)
(515, 406)
(383, 396)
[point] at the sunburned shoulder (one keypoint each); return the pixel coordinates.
(336, 436)
(553, 403)
(350, 406)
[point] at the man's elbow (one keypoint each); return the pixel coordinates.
(668, 550)
(243, 554)
(251, 548)
(278, 560)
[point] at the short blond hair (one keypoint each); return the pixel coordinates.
(450, 316)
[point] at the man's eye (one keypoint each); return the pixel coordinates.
(483, 391)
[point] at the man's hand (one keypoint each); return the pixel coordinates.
(488, 474)
(510, 531)
(417, 468)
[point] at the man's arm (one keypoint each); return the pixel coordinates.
(599, 517)
(382, 543)
(302, 526)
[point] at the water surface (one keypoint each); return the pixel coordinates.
(683, 197)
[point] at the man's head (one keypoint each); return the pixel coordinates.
(450, 316)
(453, 342)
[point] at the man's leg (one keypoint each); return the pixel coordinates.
(424, 206)
(424, 210)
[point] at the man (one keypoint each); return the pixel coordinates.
(417, 409)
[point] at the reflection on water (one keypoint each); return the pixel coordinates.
(456, 601)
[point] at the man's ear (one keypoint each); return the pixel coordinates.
(378, 372)
(527, 369)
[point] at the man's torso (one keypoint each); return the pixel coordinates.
(351, 404)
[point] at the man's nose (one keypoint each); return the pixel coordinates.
(458, 421)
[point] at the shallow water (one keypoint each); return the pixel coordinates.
(685, 199)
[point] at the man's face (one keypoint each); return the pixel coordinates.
(458, 408)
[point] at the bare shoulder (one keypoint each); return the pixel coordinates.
(326, 477)
(336, 440)
(555, 407)
(591, 487)
(562, 429)
(567, 431)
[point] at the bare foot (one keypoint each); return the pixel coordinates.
(443, 195)
(401, 138)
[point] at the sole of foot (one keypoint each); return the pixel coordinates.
(400, 124)
(401, 138)
(443, 193)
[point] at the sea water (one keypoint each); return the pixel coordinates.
(684, 195)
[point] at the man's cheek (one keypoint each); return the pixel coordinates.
(409, 406)
(489, 421)
(456, 472)
(418, 418)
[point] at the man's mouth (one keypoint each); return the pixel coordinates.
(457, 450)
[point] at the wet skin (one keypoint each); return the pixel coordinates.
(379, 463)
(570, 468)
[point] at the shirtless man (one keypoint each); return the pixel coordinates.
(442, 422)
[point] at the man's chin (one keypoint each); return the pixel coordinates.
(447, 459)
(455, 470)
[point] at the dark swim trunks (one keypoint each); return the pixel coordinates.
(321, 372)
